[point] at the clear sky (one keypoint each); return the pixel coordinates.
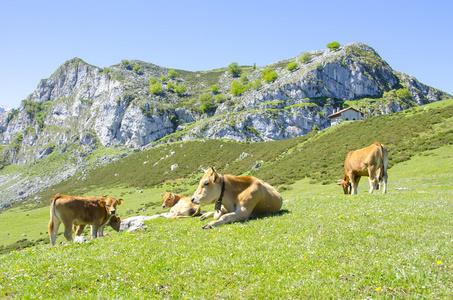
(36, 37)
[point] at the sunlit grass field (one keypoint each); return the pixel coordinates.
(323, 244)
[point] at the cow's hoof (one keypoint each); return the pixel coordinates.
(207, 226)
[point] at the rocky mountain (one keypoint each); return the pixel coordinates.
(3, 109)
(137, 104)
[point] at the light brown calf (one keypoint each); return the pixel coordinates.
(180, 206)
(73, 210)
(372, 162)
(236, 198)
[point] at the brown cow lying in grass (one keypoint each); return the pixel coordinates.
(73, 210)
(236, 198)
(180, 206)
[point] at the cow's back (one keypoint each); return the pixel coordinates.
(270, 201)
(81, 210)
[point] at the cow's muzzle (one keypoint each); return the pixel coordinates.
(194, 200)
(112, 212)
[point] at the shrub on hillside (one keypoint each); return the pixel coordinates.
(234, 69)
(136, 68)
(237, 88)
(403, 93)
(292, 66)
(155, 89)
(257, 84)
(305, 57)
(333, 46)
(269, 75)
(172, 74)
(207, 103)
(215, 88)
(181, 89)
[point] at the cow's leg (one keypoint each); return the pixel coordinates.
(101, 231)
(383, 184)
(94, 230)
(79, 230)
(207, 215)
(54, 224)
(354, 183)
(372, 182)
(239, 215)
(68, 230)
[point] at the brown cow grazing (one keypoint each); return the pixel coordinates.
(236, 198)
(180, 206)
(371, 161)
(73, 210)
(114, 222)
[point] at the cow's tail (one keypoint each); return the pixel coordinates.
(52, 212)
(384, 162)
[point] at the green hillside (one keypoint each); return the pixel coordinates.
(318, 156)
(322, 244)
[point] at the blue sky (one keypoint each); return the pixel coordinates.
(36, 37)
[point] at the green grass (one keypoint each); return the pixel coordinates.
(323, 244)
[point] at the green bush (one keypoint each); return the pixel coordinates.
(220, 98)
(172, 74)
(403, 93)
(181, 89)
(238, 88)
(153, 81)
(125, 62)
(171, 87)
(136, 68)
(234, 69)
(207, 103)
(215, 88)
(269, 75)
(244, 79)
(156, 89)
(333, 46)
(305, 57)
(318, 66)
(163, 79)
(292, 66)
(257, 84)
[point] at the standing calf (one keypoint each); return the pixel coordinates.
(73, 210)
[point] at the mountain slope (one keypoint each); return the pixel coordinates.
(82, 108)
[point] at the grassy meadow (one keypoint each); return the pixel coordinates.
(323, 244)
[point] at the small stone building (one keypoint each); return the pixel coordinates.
(347, 114)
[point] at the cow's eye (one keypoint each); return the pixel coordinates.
(206, 183)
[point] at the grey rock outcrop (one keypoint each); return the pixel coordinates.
(83, 107)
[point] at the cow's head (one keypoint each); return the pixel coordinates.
(169, 200)
(115, 223)
(110, 204)
(209, 188)
(346, 184)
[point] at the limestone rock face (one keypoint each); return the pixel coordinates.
(82, 107)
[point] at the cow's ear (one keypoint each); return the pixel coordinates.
(120, 201)
(216, 177)
(102, 204)
(172, 196)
